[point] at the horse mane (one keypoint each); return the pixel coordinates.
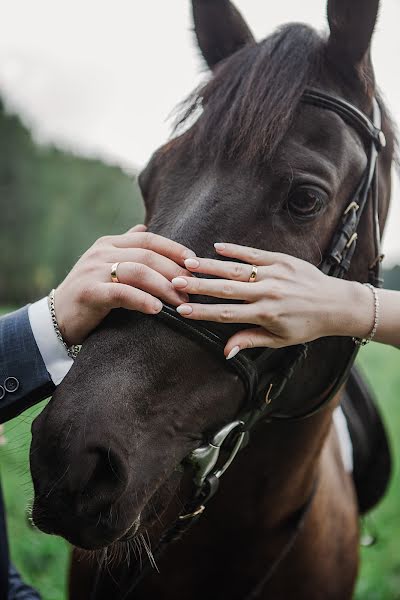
(248, 105)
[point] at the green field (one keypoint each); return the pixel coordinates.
(43, 559)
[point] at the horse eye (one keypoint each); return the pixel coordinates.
(306, 203)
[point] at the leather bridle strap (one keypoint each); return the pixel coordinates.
(338, 259)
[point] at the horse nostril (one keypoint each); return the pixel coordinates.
(106, 478)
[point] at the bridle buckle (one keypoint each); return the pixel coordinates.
(350, 207)
(352, 240)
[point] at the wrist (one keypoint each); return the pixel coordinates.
(72, 350)
(353, 313)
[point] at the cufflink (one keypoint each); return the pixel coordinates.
(2, 392)
(11, 385)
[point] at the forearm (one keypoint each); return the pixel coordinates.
(354, 313)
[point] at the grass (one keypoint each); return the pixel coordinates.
(43, 560)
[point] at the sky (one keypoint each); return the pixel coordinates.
(102, 78)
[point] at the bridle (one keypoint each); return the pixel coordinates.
(264, 385)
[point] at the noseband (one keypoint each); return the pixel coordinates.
(263, 384)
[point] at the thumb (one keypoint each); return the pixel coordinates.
(249, 338)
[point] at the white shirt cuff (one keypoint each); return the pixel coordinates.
(54, 354)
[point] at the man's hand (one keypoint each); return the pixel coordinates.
(148, 263)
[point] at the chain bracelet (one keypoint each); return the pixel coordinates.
(72, 351)
(365, 341)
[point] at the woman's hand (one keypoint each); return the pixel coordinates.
(290, 302)
(148, 263)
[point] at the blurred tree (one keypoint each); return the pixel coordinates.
(53, 205)
(392, 278)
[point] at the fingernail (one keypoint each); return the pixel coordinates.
(219, 246)
(233, 353)
(184, 309)
(190, 263)
(189, 254)
(179, 282)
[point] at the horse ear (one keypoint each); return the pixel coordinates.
(352, 24)
(220, 29)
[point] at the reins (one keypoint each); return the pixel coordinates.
(263, 386)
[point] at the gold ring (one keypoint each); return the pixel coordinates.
(114, 276)
(253, 275)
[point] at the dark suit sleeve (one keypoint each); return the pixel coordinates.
(24, 379)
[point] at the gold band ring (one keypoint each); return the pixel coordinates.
(253, 275)
(114, 276)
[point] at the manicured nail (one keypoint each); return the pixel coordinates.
(179, 282)
(191, 263)
(189, 254)
(157, 306)
(184, 309)
(233, 353)
(219, 246)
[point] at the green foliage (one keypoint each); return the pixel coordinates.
(380, 571)
(392, 278)
(53, 206)
(44, 560)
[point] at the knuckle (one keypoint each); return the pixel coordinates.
(139, 270)
(139, 255)
(226, 315)
(145, 256)
(117, 295)
(95, 253)
(227, 290)
(194, 284)
(148, 239)
(250, 343)
(264, 313)
(275, 291)
(237, 271)
(145, 303)
(103, 240)
(255, 255)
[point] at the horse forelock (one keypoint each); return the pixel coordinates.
(248, 105)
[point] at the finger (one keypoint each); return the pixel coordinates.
(219, 313)
(118, 295)
(218, 288)
(224, 269)
(146, 279)
(150, 241)
(163, 265)
(138, 228)
(247, 254)
(250, 338)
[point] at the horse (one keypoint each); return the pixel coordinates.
(268, 153)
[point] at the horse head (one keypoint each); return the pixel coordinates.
(252, 164)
